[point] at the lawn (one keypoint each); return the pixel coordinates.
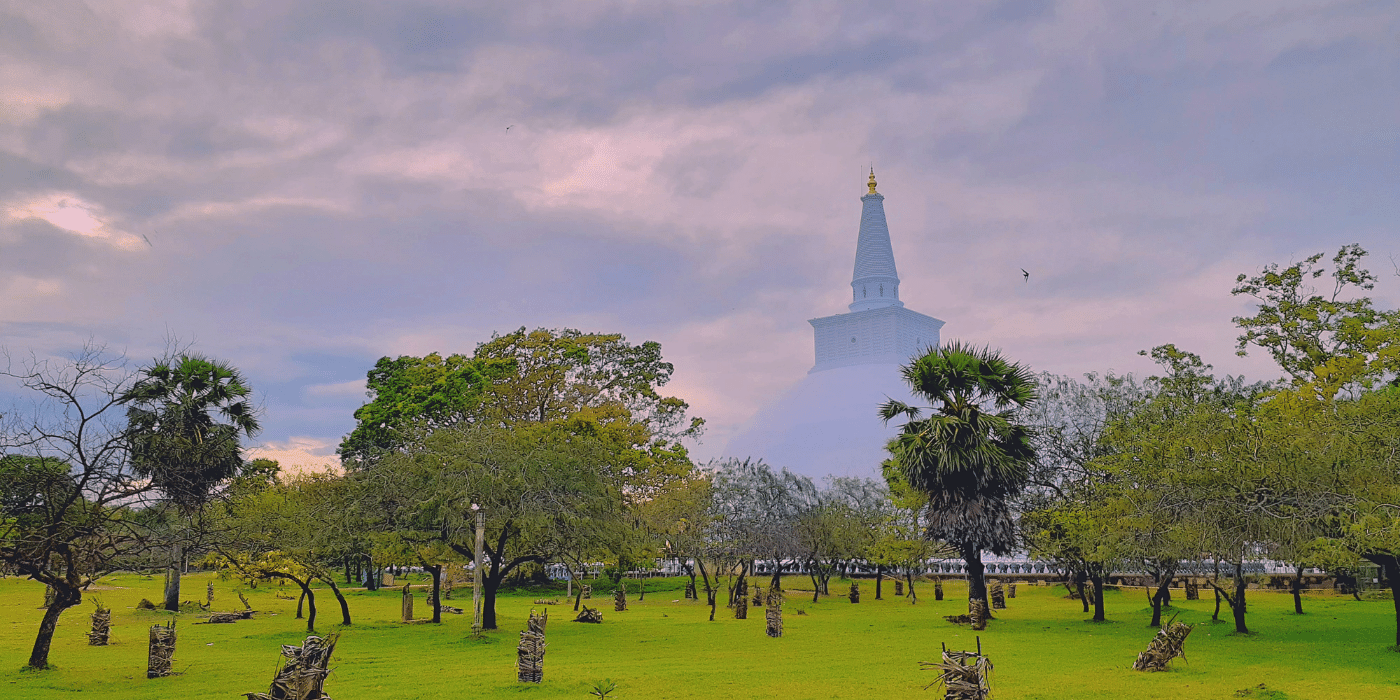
(1042, 647)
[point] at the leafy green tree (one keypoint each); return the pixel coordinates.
(408, 394)
(1079, 539)
(970, 455)
(1332, 340)
(185, 419)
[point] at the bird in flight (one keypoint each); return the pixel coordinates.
(1027, 274)
(508, 128)
(148, 241)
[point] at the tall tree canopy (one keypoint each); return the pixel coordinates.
(970, 455)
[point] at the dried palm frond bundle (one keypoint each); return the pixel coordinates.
(1169, 643)
(741, 608)
(587, 592)
(284, 596)
(620, 598)
(757, 596)
(529, 656)
(303, 672)
(998, 597)
(407, 603)
(1193, 592)
(220, 618)
(208, 595)
(773, 616)
(899, 588)
(145, 605)
(1010, 590)
(690, 590)
(938, 589)
(588, 614)
(546, 601)
(537, 621)
(854, 595)
(450, 609)
(964, 675)
(101, 626)
(161, 652)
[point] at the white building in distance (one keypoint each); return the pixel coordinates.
(828, 423)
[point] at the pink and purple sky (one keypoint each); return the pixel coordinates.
(325, 183)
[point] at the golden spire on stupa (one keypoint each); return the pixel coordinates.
(872, 179)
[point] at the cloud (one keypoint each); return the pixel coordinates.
(298, 454)
(70, 213)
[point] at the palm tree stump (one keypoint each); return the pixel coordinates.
(1010, 590)
(690, 590)
(741, 608)
(529, 656)
(938, 589)
(773, 617)
(101, 626)
(1193, 592)
(1169, 643)
(964, 675)
(620, 598)
(854, 595)
(209, 595)
(757, 596)
(587, 593)
(303, 671)
(591, 615)
(899, 588)
(447, 588)
(977, 614)
(998, 597)
(407, 603)
(160, 655)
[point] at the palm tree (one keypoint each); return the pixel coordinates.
(178, 439)
(969, 455)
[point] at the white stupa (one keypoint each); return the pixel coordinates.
(827, 424)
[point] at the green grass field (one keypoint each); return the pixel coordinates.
(1042, 647)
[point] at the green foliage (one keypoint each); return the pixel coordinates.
(603, 689)
(1335, 339)
(176, 440)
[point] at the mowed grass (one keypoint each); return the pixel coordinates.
(1042, 647)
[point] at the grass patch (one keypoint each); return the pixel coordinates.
(1043, 647)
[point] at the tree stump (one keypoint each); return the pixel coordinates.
(977, 614)
(741, 608)
(854, 595)
(964, 675)
(587, 592)
(938, 589)
(101, 626)
(1010, 590)
(529, 656)
(447, 587)
(1193, 592)
(1169, 643)
(161, 651)
(407, 603)
(588, 614)
(620, 598)
(899, 588)
(757, 596)
(303, 671)
(690, 590)
(773, 617)
(209, 595)
(998, 597)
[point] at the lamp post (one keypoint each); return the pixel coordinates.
(477, 577)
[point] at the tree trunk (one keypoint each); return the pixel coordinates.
(63, 599)
(488, 602)
(1097, 580)
(816, 584)
(879, 579)
(1390, 568)
(1240, 606)
(976, 583)
(340, 598)
(1215, 617)
(301, 600)
(436, 571)
(909, 577)
(1298, 590)
(1162, 597)
(172, 589)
